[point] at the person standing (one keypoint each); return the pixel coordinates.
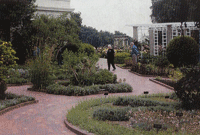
(110, 57)
(134, 53)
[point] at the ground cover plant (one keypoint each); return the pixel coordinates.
(87, 90)
(101, 116)
(12, 99)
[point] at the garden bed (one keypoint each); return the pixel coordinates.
(164, 82)
(13, 101)
(141, 118)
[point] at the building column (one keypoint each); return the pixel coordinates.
(135, 33)
(169, 33)
(151, 41)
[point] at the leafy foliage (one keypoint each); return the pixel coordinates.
(182, 51)
(111, 114)
(81, 66)
(188, 90)
(7, 57)
(87, 90)
(40, 69)
(119, 57)
(3, 88)
(103, 76)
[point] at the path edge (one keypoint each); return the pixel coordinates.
(17, 106)
(75, 129)
(160, 83)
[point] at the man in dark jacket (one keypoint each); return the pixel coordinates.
(110, 57)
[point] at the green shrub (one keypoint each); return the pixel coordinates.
(187, 89)
(87, 90)
(87, 48)
(65, 83)
(56, 89)
(111, 114)
(137, 102)
(128, 61)
(40, 69)
(7, 58)
(81, 66)
(120, 57)
(183, 51)
(16, 80)
(117, 88)
(3, 88)
(161, 61)
(103, 76)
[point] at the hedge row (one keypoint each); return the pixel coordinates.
(87, 90)
(112, 114)
(136, 102)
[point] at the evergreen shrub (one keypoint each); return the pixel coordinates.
(41, 70)
(183, 51)
(87, 90)
(120, 57)
(3, 88)
(112, 114)
(187, 89)
(128, 61)
(103, 76)
(137, 102)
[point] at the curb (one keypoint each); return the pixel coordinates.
(75, 129)
(17, 106)
(141, 74)
(122, 67)
(160, 83)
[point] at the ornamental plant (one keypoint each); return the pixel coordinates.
(7, 60)
(183, 51)
(7, 57)
(41, 70)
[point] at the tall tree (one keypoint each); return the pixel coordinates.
(17, 17)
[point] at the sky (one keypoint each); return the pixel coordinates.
(113, 15)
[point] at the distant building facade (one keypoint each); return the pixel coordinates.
(53, 7)
(160, 34)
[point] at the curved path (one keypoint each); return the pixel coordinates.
(47, 116)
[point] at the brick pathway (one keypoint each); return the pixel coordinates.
(47, 116)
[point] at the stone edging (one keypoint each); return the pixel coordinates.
(122, 67)
(75, 129)
(141, 74)
(17, 106)
(160, 83)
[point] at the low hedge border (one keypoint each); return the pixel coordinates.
(88, 90)
(17, 106)
(162, 84)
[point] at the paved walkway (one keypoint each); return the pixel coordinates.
(47, 116)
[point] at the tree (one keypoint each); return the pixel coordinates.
(61, 32)
(18, 18)
(175, 11)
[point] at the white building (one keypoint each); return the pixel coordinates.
(163, 33)
(53, 7)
